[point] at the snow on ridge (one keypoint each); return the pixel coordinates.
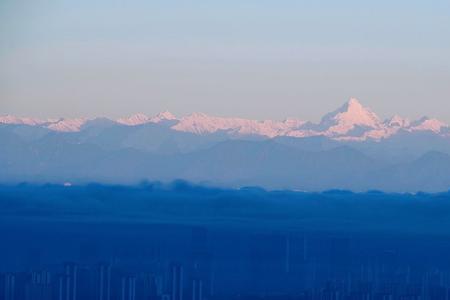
(163, 116)
(9, 119)
(136, 119)
(427, 124)
(67, 125)
(140, 118)
(201, 123)
(352, 121)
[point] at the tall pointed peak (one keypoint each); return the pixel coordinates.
(349, 115)
(352, 110)
(354, 105)
(353, 102)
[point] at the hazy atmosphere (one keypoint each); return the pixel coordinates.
(224, 150)
(252, 59)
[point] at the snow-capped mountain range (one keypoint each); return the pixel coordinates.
(352, 121)
(350, 148)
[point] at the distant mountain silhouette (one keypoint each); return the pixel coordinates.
(352, 121)
(347, 154)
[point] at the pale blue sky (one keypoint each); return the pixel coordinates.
(255, 59)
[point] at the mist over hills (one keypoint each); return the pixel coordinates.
(183, 203)
(351, 148)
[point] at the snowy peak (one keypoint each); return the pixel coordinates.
(427, 124)
(352, 114)
(352, 105)
(66, 125)
(163, 116)
(133, 120)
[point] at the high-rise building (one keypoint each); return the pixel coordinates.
(149, 287)
(8, 286)
(103, 282)
(67, 283)
(176, 281)
(128, 288)
(197, 289)
(39, 286)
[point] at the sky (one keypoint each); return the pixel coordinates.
(254, 59)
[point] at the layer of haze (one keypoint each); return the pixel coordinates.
(253, 59)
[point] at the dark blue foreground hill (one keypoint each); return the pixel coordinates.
(183, 203)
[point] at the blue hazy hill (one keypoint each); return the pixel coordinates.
(111, 153)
